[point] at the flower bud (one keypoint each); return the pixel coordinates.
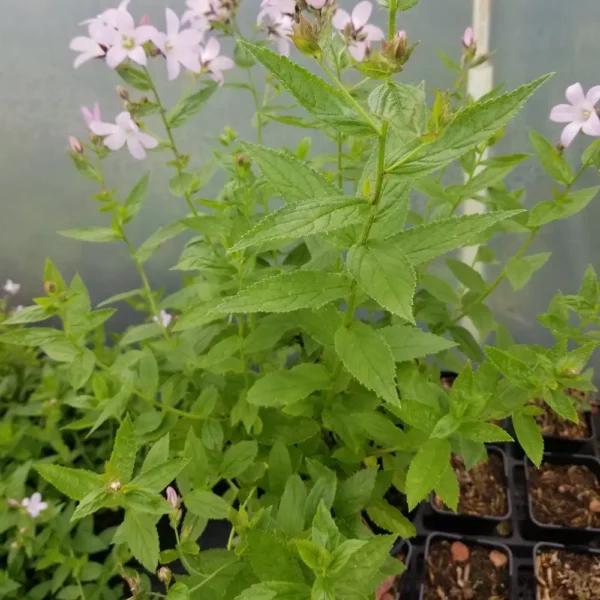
(114, 486)
(122, 93)
(306, 37)
(50, 287)
(164, 575)
(75, 145)
(145, 20)
(468, 39)
(172, 497)
(13, 503)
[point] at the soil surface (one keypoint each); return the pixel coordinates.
(564, 575)
(567, 495)
(554, 425)
(457, 571)
(483, 489)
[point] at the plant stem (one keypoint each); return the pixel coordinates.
(169, 131)
(259, 132)
(392, 19)
(212, 576)
(340, 144)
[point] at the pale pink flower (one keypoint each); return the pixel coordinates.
(124, 131)
(276, 8)
(126, 40)
(91, 115)
(165, 319)
(212, 62)
(278, 28)
(12, 288)
(179, 47)
(88, 49)
(468, 39)
(316, 4)
(101, 27)
(144, 20)
(401, 34)
(201, 14)
(172, 497)
(580, 113)
(356, 29)
(34, 505)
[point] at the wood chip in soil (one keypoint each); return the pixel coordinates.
(564, 575)
(552, 424)
(475, 578)
(482, 489)
(567, 495)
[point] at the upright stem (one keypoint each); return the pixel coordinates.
(392, 19)
(169, 131)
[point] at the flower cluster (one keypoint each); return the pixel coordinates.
(356, 29)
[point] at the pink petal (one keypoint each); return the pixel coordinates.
(190, 60)
(468, 37)
(593, 95)
(138, 54)
(570, 132)
(88, 116)
(116, 140)
(361, 13)
(341, 19)
(172, 23)
(575, 94)
(100, 128)
(96, 112)
(592, 125)
(564, 113)
(190, 37)
(221, 63)
(125, 122)
(144, 34)
(211, 50)
(374, 33)
(147, 141)
(358, 50)
(218, 77)
(115, 56)
(173, 67)
(135, 148)
(124, 21)
(160, 41)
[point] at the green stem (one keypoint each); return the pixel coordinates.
(340, 144)
(253, 91)
(212, 576)
(169, 131)
(392, 19)
(181, 554)
(364, 114)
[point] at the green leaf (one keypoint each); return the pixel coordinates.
(94, 501)
(324, 102)
(160, 476)
(158, 238)
(158, 454)
(561, 208)
(408, 343)
(479, 431)
(439, 289)
(447, 488)
(122, 296)
(134, 201)
(467, 275)
(355, 492)
(276, 590)
(148, 375)
(468, 345)
(92, 234)
(520, 270)
(138, 333)
(383, 271)
(306, 218)
(238, 458)
(29, 314)
(403, 106)
(190, 105)
(142, 538)
(206, 504)
(122, 458)
(323, 492)
(324, 531)
(290, 516)
(294, 180)
(280, 467)
(81, 369)
(514, 369)
(61, 350)
(134, 77)
(281, 388)
(426, 469)
(469, 128)
(391, 519)
(83, 165)
(529, 436)
(561, 404)
(271, 559)
(287, 292)
(380, 429)
(426, 242)
(552, 160)
(368, 358)
(178, 591)
(74, 483)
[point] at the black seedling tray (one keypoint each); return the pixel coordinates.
(518, 531)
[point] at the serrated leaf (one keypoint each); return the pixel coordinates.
(280, 467)
(157, 478)
(94, 501)
(134, 201)
(142, 538)
(134, 77)
(92, 234)
(402, 105)
(426, 469)
(391, 519)
(380, 429)
(238, 458)
(408, 343)
(552, 160)
(29, 314)
(272, 559)
(290, 516)
(81, 369)
(206, 504)
(324, 102)
(561, 404)
(426, 242)
(281, 388)
(294, 180)
(480, 431)
(178, 591)
(384, 272)
(158, 454)
(514, 369)
(467, 275)
(529, 436)
(469, 128)
(122, 458)
(138, 333)
(158, 238)
(520, 270)
(447, 488)
(287, 292)
(304, 219)
(74, 483)
(354, 493)
(191, 105)
(276, 590)
(561, 208)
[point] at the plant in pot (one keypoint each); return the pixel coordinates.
(285, 389)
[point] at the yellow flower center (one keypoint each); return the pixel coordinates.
(587, 114)
(128, 42)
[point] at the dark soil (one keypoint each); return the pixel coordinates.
(564, 575)
(483, 490)
(554, 425)
(567, 495)
(476, 578)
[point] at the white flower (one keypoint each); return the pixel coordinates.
(88, 49)
(179, 47)
(277, 7)
(11, 287)
(18, 308)
(124, 131)
(580, 113)
(212, 62)
(34, 505)
(201, 14)
(126, 40)
(165, 319)
(278, 27)
(356, 29)
(101, 27)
